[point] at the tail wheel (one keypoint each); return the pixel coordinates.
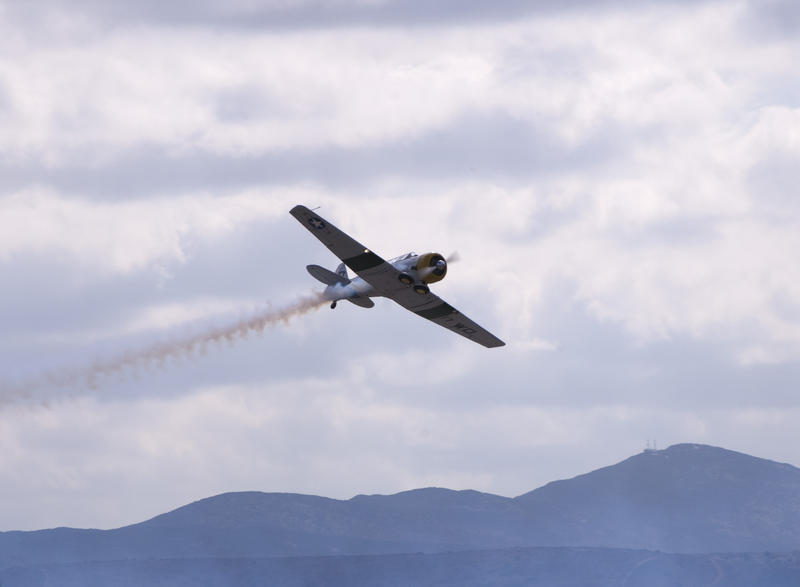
(405, 278)
(421, 289)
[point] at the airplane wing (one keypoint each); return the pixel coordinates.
(384, 277)
(438, 311)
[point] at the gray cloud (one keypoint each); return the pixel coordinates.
(318, 13)
(488, 147)
(596, 363)
(773, 181)
(244, 265)
(243, 104)
(776, 19)
(6, 106)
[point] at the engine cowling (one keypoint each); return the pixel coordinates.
(431, 267)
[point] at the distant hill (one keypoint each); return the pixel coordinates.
(688, 498)
(254, 524)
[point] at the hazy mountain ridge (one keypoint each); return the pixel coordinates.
(687, 498)
(730, 501)
(442, 516)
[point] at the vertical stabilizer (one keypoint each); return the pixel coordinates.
(342, 270)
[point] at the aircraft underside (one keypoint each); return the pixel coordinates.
(404, 279)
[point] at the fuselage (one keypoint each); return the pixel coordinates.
(415, 271)
(356, 288)
(360, 288)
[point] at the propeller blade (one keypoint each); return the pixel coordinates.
(440, 265)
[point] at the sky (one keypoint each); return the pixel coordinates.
(619, 180)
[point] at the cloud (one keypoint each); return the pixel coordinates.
(123, 236)
(168, 451)
(777, 20)
(617, 180)
(492, 147)
(199, 90)
(85, 101)
(289, 15)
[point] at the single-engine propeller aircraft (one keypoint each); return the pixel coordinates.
(404, 279)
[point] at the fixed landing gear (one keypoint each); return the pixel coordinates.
(406, 279)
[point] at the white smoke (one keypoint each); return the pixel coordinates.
(88, 377)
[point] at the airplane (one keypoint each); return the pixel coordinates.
(403, 279)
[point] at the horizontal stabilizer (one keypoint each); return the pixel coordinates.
(326, 276)
(363, 302)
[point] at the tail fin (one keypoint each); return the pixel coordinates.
(342, 270)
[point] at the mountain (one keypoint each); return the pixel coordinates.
(254, 524)
(688, 498)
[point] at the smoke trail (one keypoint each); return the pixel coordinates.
(86, 377)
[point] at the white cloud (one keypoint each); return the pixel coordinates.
(660, 201)
(300, 436)
(253, 92)
(124, 236)
(165, 86)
